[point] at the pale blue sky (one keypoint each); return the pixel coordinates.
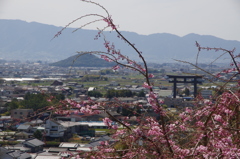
(220, 18)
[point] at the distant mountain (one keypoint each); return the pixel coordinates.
(86, 60)
(20, 40)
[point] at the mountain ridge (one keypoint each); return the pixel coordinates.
(21, 40)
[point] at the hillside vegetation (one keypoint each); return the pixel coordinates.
(86, 60)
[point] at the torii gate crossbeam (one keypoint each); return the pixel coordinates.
(184, 79)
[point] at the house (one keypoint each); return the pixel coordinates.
(95, 124)
(137, 89)
(56, 153)
(4, 122)
(56, 150)
(38, 128)
(114, 83)
(79, 86)
(54, 129)
(19, 147)
(57, 83)
(13, 154)
(126, 99)
(39, 156)
(74, 128)
(69, 146)
(34, 144)
(91, 89)
(102, 100)
(6, 135)
(95, 143)
(80, 91)
(95, 117)
(84, 147)
(6, 91)
(71, 117)
(72, 83)
(36, 122)
(22, 135)
(135, 86)
(24, 127)
(21, 113)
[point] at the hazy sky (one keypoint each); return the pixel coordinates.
(220, 18)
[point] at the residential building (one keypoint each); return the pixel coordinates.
(20, 113)
(34, 144)
(54, 129)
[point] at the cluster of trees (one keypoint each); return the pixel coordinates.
(34, 101)
(185, 92)
(95, 94)
(111, 93)
(107, 72)
(91, 78)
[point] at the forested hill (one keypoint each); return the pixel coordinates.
(86, 60)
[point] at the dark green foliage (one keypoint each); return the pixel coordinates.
(110, 93)
(60, 97)
(35, 101)
(108, 71)
(6, 143)
(186, 91)
(14, 104)
(52, 144)
(86, 60)
(91, 78)
(38, 134)
(141, 94)
(95, 94)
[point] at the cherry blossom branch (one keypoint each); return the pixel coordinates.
(211, 124)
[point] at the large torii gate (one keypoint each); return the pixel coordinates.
(184, 79)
